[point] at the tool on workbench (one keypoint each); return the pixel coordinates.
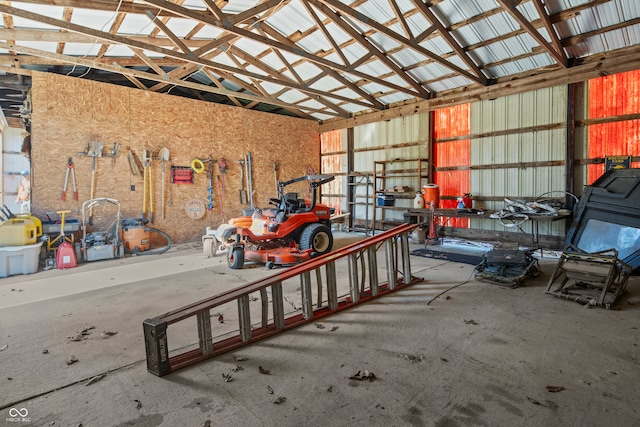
(70, 171)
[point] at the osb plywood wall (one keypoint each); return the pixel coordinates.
(68, 113)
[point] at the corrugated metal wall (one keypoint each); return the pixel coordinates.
(508, 147)
(527, 128)
(448, 150)
(400, 138)
(610, 96)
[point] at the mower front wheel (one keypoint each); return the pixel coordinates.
(317, 237)
(235, 257)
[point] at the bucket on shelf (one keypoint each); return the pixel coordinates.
(431, 193)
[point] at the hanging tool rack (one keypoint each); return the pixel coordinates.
(181, 175)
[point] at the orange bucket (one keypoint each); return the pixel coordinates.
(431, 193)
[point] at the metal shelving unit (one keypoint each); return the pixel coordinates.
(412, 173)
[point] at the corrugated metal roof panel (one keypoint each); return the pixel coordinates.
(307, 69)
(406, 57)
(521, 65)
(437, 45)
(95, 19)
(207, 32)
(291, 18)
(395, 97)
(384, 42)
(417, 23)
(430, 71)
(450, 83)
(273, 61)
(459, 11)
(354, 52)
(292, 96)
(315, 42)
(378, 10)
(179, 26)
(375, 68)
(326, 84)
(237, 6)
(337, 33)
(136, 24)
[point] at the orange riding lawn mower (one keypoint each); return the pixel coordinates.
(291, 231)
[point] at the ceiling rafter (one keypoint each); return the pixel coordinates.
(326, 32)
(555, 39)
(331, 72)
(451, 41)
(66, 16)
(260, 49)
(93, 63)
(226, 25)
(511, 9)
(133, 43)
(400, 17)
(373, 50)
(163, 27)
(402, 40)
(219, 85)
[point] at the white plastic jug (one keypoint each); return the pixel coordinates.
(418, 201)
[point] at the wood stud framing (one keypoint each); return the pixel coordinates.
(173, 60)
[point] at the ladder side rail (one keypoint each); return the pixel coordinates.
(233, 294)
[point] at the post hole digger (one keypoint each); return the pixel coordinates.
(292, 231)
(147, 185)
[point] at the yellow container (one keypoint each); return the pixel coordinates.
(36, 221)
(18, 232)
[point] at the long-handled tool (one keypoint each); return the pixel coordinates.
(134, 163)
(275, 175)
(94, 149)
(250, 179)
(163, 155)
(148, 185)
(70, 171)
(243, 191)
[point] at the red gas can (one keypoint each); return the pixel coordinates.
(66, 256)
(467, 201)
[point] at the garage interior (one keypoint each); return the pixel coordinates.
(436, 121)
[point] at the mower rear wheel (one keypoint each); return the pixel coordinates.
(235, 257)
(209, 246)
(317, 237)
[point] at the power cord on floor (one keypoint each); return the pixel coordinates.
(453, 287)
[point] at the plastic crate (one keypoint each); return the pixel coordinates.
(19, 259)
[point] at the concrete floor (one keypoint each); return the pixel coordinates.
(479, 354)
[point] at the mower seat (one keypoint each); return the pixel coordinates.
(292, 204)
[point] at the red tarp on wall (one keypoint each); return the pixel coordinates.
(609, 96)
(448, 123)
